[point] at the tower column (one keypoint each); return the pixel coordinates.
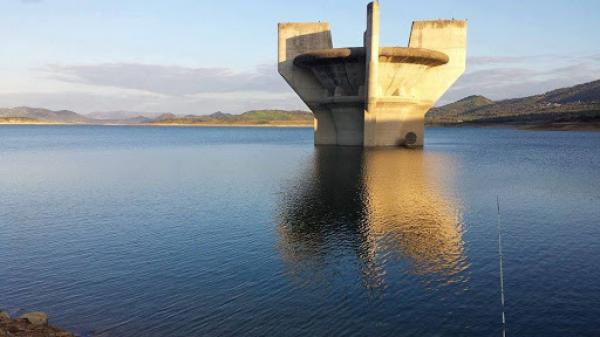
(371, 45)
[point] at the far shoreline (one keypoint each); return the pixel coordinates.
(223, 125)
(564, 126)
(168, 125)
(577, 127)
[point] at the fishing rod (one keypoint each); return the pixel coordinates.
(500, 261)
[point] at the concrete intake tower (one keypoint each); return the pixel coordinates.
(371, 95)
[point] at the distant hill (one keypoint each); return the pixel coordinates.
(219, 115)
(577, 104)
(165, 117)
(121, 115)
(61, 116)
(582, 93)
(254, 117)
(457, 109)
(138, 119)
(21, 120)
(28, 115)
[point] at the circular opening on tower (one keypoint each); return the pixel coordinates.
(410, 138)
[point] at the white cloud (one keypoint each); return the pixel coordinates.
(146, 88)
(86, 102)
(170, 80)
(489, 60)
(510, 77)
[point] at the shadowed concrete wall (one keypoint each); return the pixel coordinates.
(371, 96)
(296, 39)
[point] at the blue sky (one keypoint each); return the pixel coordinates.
(202, 56)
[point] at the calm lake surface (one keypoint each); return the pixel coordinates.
(158, 231)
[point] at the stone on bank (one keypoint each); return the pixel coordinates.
(33, 324)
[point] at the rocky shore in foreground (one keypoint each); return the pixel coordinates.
(33, 324)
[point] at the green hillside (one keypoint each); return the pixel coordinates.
(579, 104)
(458, 109)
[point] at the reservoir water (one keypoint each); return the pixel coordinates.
(166, 231)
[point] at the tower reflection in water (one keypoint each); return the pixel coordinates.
(378, 206)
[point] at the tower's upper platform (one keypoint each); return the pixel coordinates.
(357, 54)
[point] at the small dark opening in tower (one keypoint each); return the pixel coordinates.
(410, 138)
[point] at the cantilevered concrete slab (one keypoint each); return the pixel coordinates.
(371, 95)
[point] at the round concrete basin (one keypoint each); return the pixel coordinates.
(342, 70)
(387, 54)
